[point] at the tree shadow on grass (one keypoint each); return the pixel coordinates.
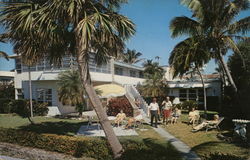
(60, 128)
(215, 147)
(149, 149)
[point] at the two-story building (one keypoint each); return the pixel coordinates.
(44, 78)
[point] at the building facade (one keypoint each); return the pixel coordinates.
(44, 79)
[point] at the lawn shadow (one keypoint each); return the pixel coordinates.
(150, 149)
(60, 128)
(207, 148)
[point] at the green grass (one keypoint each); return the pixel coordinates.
(203, 142)
(42, 124)
(154, 147)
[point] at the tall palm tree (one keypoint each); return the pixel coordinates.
(190, 54)
(75, 27)
(215, 19)
(131, 56)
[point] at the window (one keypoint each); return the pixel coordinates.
(18, 65)
(118, 71)
(200, 95)
(192, 94)
(183, 94)
(44, 95)
(141, 74)
(132, 73)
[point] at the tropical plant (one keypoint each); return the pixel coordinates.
(190, 54)
(154, 85)
(74, 27)
(70, 90)
(215, 19)
(241, 75)
(151, 67)
(131, 56)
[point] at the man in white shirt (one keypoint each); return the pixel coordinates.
(154, 111)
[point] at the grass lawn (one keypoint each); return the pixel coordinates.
(205, 142)
(154, 147)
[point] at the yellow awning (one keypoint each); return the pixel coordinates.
(110, 90)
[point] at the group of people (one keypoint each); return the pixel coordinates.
(168, 112)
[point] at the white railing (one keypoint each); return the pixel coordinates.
(133, 92)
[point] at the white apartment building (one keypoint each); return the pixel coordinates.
(44, 81)
(44, 78)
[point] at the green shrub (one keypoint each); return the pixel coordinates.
(222, 156)
(75, 146)
(188, 105)
(4, 105)
(21, 107)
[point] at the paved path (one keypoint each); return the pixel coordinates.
(179, 145)
(95, 130)
(9, 158)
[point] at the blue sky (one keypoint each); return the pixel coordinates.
(152, 18)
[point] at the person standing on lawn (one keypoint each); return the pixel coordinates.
(166, 107)
(154, 111)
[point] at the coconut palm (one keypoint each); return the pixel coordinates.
(53, 28)
(215, 19)
(131, 56)
(190, 54)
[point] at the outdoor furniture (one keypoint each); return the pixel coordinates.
(240, 127)
(90, 122)
(138, 123)
(214, 126)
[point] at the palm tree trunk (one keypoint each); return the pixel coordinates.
(97, 105)
(30, 94)
(204, 92)
(226, 69)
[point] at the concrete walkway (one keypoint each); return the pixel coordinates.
(184, 149)
(9, 158)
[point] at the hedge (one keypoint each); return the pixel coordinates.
(222, 156)
(98, 148)
(76, 146)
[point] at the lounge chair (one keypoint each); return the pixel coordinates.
(214, 126)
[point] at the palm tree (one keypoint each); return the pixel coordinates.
(215, 19)
(190, 54)
(70, 90)
(151, 67)
(74, 27)
(155, 85)
(131, 56)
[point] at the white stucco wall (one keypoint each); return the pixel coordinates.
(41, 84)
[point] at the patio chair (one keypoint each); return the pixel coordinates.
(214, 126)
(90, 122)
(138, 122)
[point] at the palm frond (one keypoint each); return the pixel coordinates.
(184, 26)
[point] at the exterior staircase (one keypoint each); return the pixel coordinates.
(132, 94)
